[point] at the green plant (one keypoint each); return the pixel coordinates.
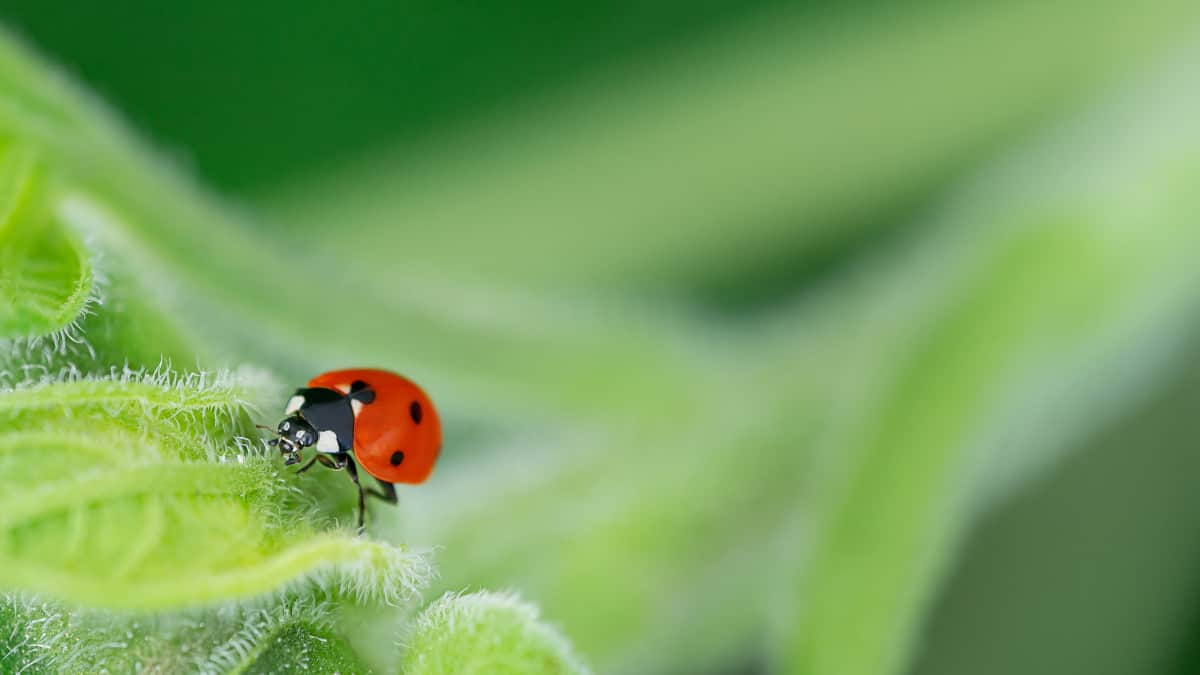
(687, 468)
(130, 484)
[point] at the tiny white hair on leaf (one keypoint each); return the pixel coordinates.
(483, 622)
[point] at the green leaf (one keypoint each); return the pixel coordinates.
(491, 633)
(302, 647)
(292, 634)
(123, 492)
(1036, 309)
(46, 278)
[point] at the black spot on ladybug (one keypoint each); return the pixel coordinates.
(414, 411)
(361, 391)
(397, 457)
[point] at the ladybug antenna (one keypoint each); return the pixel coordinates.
(263, 426)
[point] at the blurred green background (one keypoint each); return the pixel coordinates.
(973, 403)
(256, 94)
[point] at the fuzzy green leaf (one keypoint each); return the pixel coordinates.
(143, 516)
(301, 647)
(293, 634)
(45, 276)
(490, 633)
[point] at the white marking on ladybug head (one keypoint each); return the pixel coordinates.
(327, 442)
(293, 405)
(344, 388)
(356, 405)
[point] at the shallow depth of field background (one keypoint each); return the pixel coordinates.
(758, 177)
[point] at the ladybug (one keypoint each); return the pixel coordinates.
(362, 416)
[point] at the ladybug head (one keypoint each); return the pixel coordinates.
(294, 434)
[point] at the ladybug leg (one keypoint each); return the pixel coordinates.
(323, 459)
(386, 492)
(352, 470)
(307, 465)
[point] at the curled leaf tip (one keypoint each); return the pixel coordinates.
(487, 632)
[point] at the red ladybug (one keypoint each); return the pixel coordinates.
(376, 418)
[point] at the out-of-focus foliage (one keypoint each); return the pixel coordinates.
(1101, 552)
(45, 276)
(965, 230)
(735, 166)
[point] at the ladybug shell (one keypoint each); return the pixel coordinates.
(397, 437)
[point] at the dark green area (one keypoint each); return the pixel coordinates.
(1094, 569)
(252, 92)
